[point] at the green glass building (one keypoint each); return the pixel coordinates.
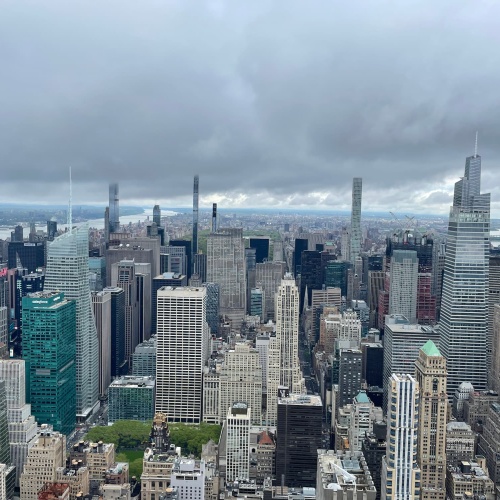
(49, 348)
(336, 275)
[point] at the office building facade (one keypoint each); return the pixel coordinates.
(182, 349)
(68, 272)
(49, 350)
(464, 304)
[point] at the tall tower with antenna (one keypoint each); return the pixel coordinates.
(67, 271)
(195, 216)
(463, 324)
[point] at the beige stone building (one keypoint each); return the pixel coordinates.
(431, 454)
(48, 453)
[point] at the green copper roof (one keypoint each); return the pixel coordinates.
(362, 397)
(430, 349)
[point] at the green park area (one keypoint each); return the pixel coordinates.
(131, 437)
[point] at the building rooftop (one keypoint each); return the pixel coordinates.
(362, 397)
(430, 349)
(458, 426)
(133, 381)
(301, 399)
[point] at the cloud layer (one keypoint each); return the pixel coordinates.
(272, 103)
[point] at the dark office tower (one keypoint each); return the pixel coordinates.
(195, 217)
(49, 332)
(298, 438)
(17, 234)
(25, 284)
(213, 301)
(123, 276)
(187, 245)
(310, 275)
(157, 215)
(355, 245)
(114, 209)
(106, 224)
(261, 246)
(214, 218)
(463, 326)
(250, 259)
(350, 366)
(119, 364)
(30, 255)
(200, 266)
(336, 275)
(286, 227)
(300, 246)
(51, 229)
(325, 258)
(371, 263)
(373, 362)
(144, 288)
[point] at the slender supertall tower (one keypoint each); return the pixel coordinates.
(431, 455)
(464, 304)
(194, 249)
(214, 218)
(114, 209)
(355, 246)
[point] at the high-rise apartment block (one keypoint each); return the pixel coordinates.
(68, 272)
(400, 472)
(49, 331)
(182, 349)
(431, 377)
(355, 233)
(464, 306)
(226, 266)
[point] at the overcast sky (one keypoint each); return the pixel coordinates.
(272, 103)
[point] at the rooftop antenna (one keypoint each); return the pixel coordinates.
(70, 213)
(475, 147)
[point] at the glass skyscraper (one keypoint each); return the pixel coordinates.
(68, 272)
(464, 308)
(49, 334)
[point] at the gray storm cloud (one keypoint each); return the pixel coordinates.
(271, 103)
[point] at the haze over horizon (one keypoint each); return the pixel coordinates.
(274, 104)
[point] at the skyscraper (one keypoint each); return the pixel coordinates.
(431, 455)
(355, 246)
(400, 473)
(226, 266)
(195, 218)
(157, 215)
(464, 304)
(114, 209)
(287, 333)
(49, 335)
(68, 272)
(101, 305)
(182, 349)
(403, 284)
(237, 428)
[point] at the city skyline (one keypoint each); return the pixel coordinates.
(275, 122)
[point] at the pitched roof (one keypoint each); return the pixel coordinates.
(430, 349)
(362, 397)
(264, 438)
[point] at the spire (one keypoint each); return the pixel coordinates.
(70, 213)
(475, 147)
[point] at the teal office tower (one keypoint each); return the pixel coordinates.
(49, 348)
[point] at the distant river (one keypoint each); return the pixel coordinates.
(97, 223)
